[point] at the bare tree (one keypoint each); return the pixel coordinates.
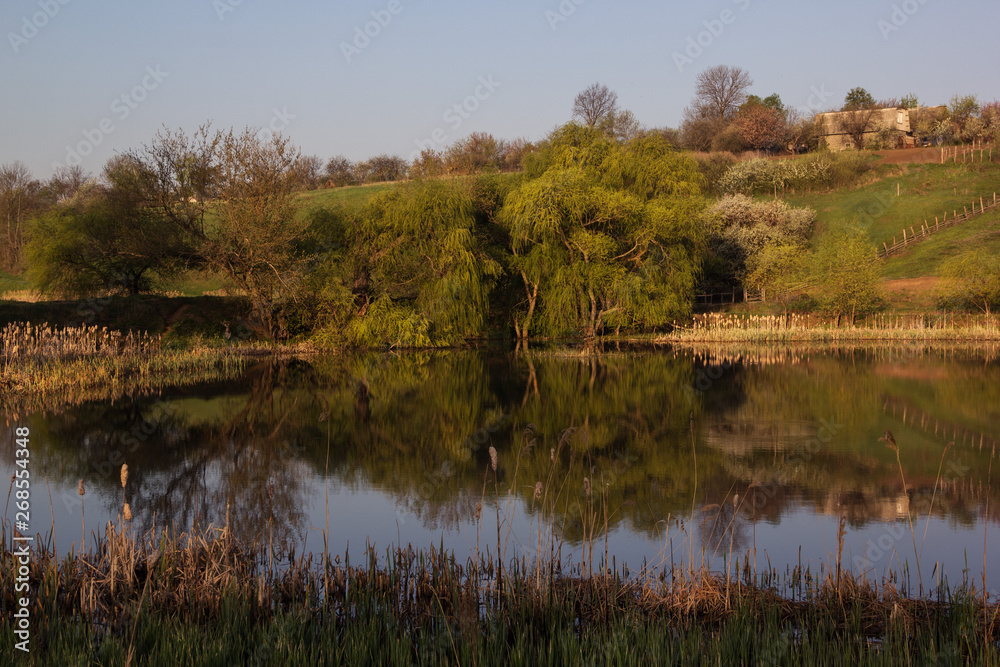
(309, 169)
(67, 181)
(248, 183)
(623, 126)
(339, 171)
(720, 91)
(595, 104)
(19, 199)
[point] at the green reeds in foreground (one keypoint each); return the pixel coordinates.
(204, 598)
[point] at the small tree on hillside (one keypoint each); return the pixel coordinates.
(849, 271)
(774, 270)
(975, 279)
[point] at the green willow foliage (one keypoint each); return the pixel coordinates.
(595, 235)
(604, 235)
(410, 269)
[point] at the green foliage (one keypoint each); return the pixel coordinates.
(774, 269)
(740, 228)
(762, 176)
(975, 279)
(606, 234)
(415, 268)
(909, 101)
(858, 98)
(849, 271)
(101, 241)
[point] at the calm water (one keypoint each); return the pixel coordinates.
(686, 457)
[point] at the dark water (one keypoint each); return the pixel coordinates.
(687, 458)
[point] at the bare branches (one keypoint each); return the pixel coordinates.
(595, 104)
(721, 90)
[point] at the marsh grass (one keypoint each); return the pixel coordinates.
(44, 366)
(202, 596)
(795, 328)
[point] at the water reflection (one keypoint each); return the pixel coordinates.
(738, 445)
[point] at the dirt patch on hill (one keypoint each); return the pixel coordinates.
(925, 285)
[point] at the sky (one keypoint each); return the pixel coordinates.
(86, 79)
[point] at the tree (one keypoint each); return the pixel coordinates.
(975, 278)
(774, 271)
(382, 168)
(428, 164)
(622, 126)
(247, 181)
(760, 126)
(909, 101)
(849, 272)
(606, 236)
(67, 181)
(103, 239)
(720, 91)
(858, 98)
(476, 153)
(339, 171)
(309, 169)
(595, 104)
(857, 117)
(416, 270)
(20, 198)
(964, 110)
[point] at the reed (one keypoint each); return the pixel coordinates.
(794, 328)
(201, 596)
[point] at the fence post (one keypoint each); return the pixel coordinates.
(904, 236)
(937, 225)
(886, 248)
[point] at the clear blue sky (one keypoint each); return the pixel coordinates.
(238, 62)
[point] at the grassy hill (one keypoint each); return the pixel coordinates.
(925, 190)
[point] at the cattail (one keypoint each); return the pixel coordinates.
(127, 512)
(493, 458)
(79, 488)
(479, 510)
(124, 475)
(586, 485)
(538, 490)
(552, 454)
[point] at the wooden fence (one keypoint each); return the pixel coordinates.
(927, 228)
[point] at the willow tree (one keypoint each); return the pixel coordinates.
(417, 271)
(606, 236)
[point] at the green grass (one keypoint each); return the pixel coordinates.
(354, 196)
(925, 190)
(925, 258)
(12, 283)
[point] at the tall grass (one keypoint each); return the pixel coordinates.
(726, 328)
(41, 366)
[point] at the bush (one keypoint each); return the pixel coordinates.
(763, 176)
(740, 227)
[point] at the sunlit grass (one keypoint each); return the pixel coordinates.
(719, 328)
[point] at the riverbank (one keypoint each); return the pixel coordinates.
(797, 328)
(202, 597)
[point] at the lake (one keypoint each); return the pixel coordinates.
(653, 458)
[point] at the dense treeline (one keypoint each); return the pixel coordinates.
(603, 226)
